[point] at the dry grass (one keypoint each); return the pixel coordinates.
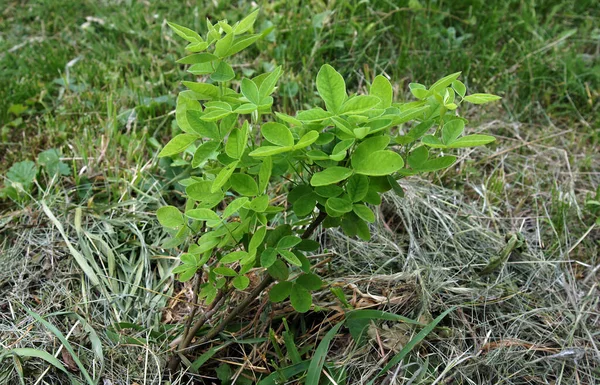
(534, 320)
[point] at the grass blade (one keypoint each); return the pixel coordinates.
(285, 374)
(87, 269)
(411, 344)
(49, 358)
(65, 343)
(381, 315)
(316, 364)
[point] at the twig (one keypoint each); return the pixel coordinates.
(185, 343)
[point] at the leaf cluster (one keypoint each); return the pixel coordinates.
(335, 160)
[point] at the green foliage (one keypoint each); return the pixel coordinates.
(334, 162)
(21, 177)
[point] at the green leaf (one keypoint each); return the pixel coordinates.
(222, 177)
(432, 141)
(268, 257)
(185, 33)
(308, 245)
(459, 87)
(237, 142)
(410, 114)
(203, 90)
(201, 127)
(241, 43)
(316, 114)
(259, 204)
(357, 187)
(280, 291)
(332, 88)
(330, 175)
(305, 205)
(362, 230)
(373, 197)
(189, 259)
(444, 82)
(200, 192)
(197, 58)
(223, 45)
(201, 69)
(207, 242)
(418, 90)
(297, 192)
(411, 344)
(382, 162)
(223, 73)
(376, 143)
(364, 213)
(234, 207)
(379, 183)
(419, 160)
(359, 104)
(309, 281)
(339, 205)
(481, 98)
(246, 23)
(317, 155)
(209, 292)
(50, 160)
(277, 134)
(452, 130)
(244, 184)
(330, 191)
(377, 125)
(313, 375)
(339, 151)
(472, 141)
(257, 239)
(197, 47)
(382, 88)
(269, 82)
(279, 270)
(246, 108)
(204, 152)
(288, 242)
(225, 271)
(234, 257)
(300, 298)
(177, 144)
(250, 91)
(270, 150)
(241, 282)
(22, 172)
(307, 139)
(264, 174)
(211, 218)
(415, 133)
(290, 257)
(170, 217)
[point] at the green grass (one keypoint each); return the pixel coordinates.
(543, 59)
(98, 81)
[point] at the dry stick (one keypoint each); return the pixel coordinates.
(196, 304)
(175, 360)
(257, 290)
(188, 335)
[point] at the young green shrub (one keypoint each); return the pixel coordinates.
(333, 162)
